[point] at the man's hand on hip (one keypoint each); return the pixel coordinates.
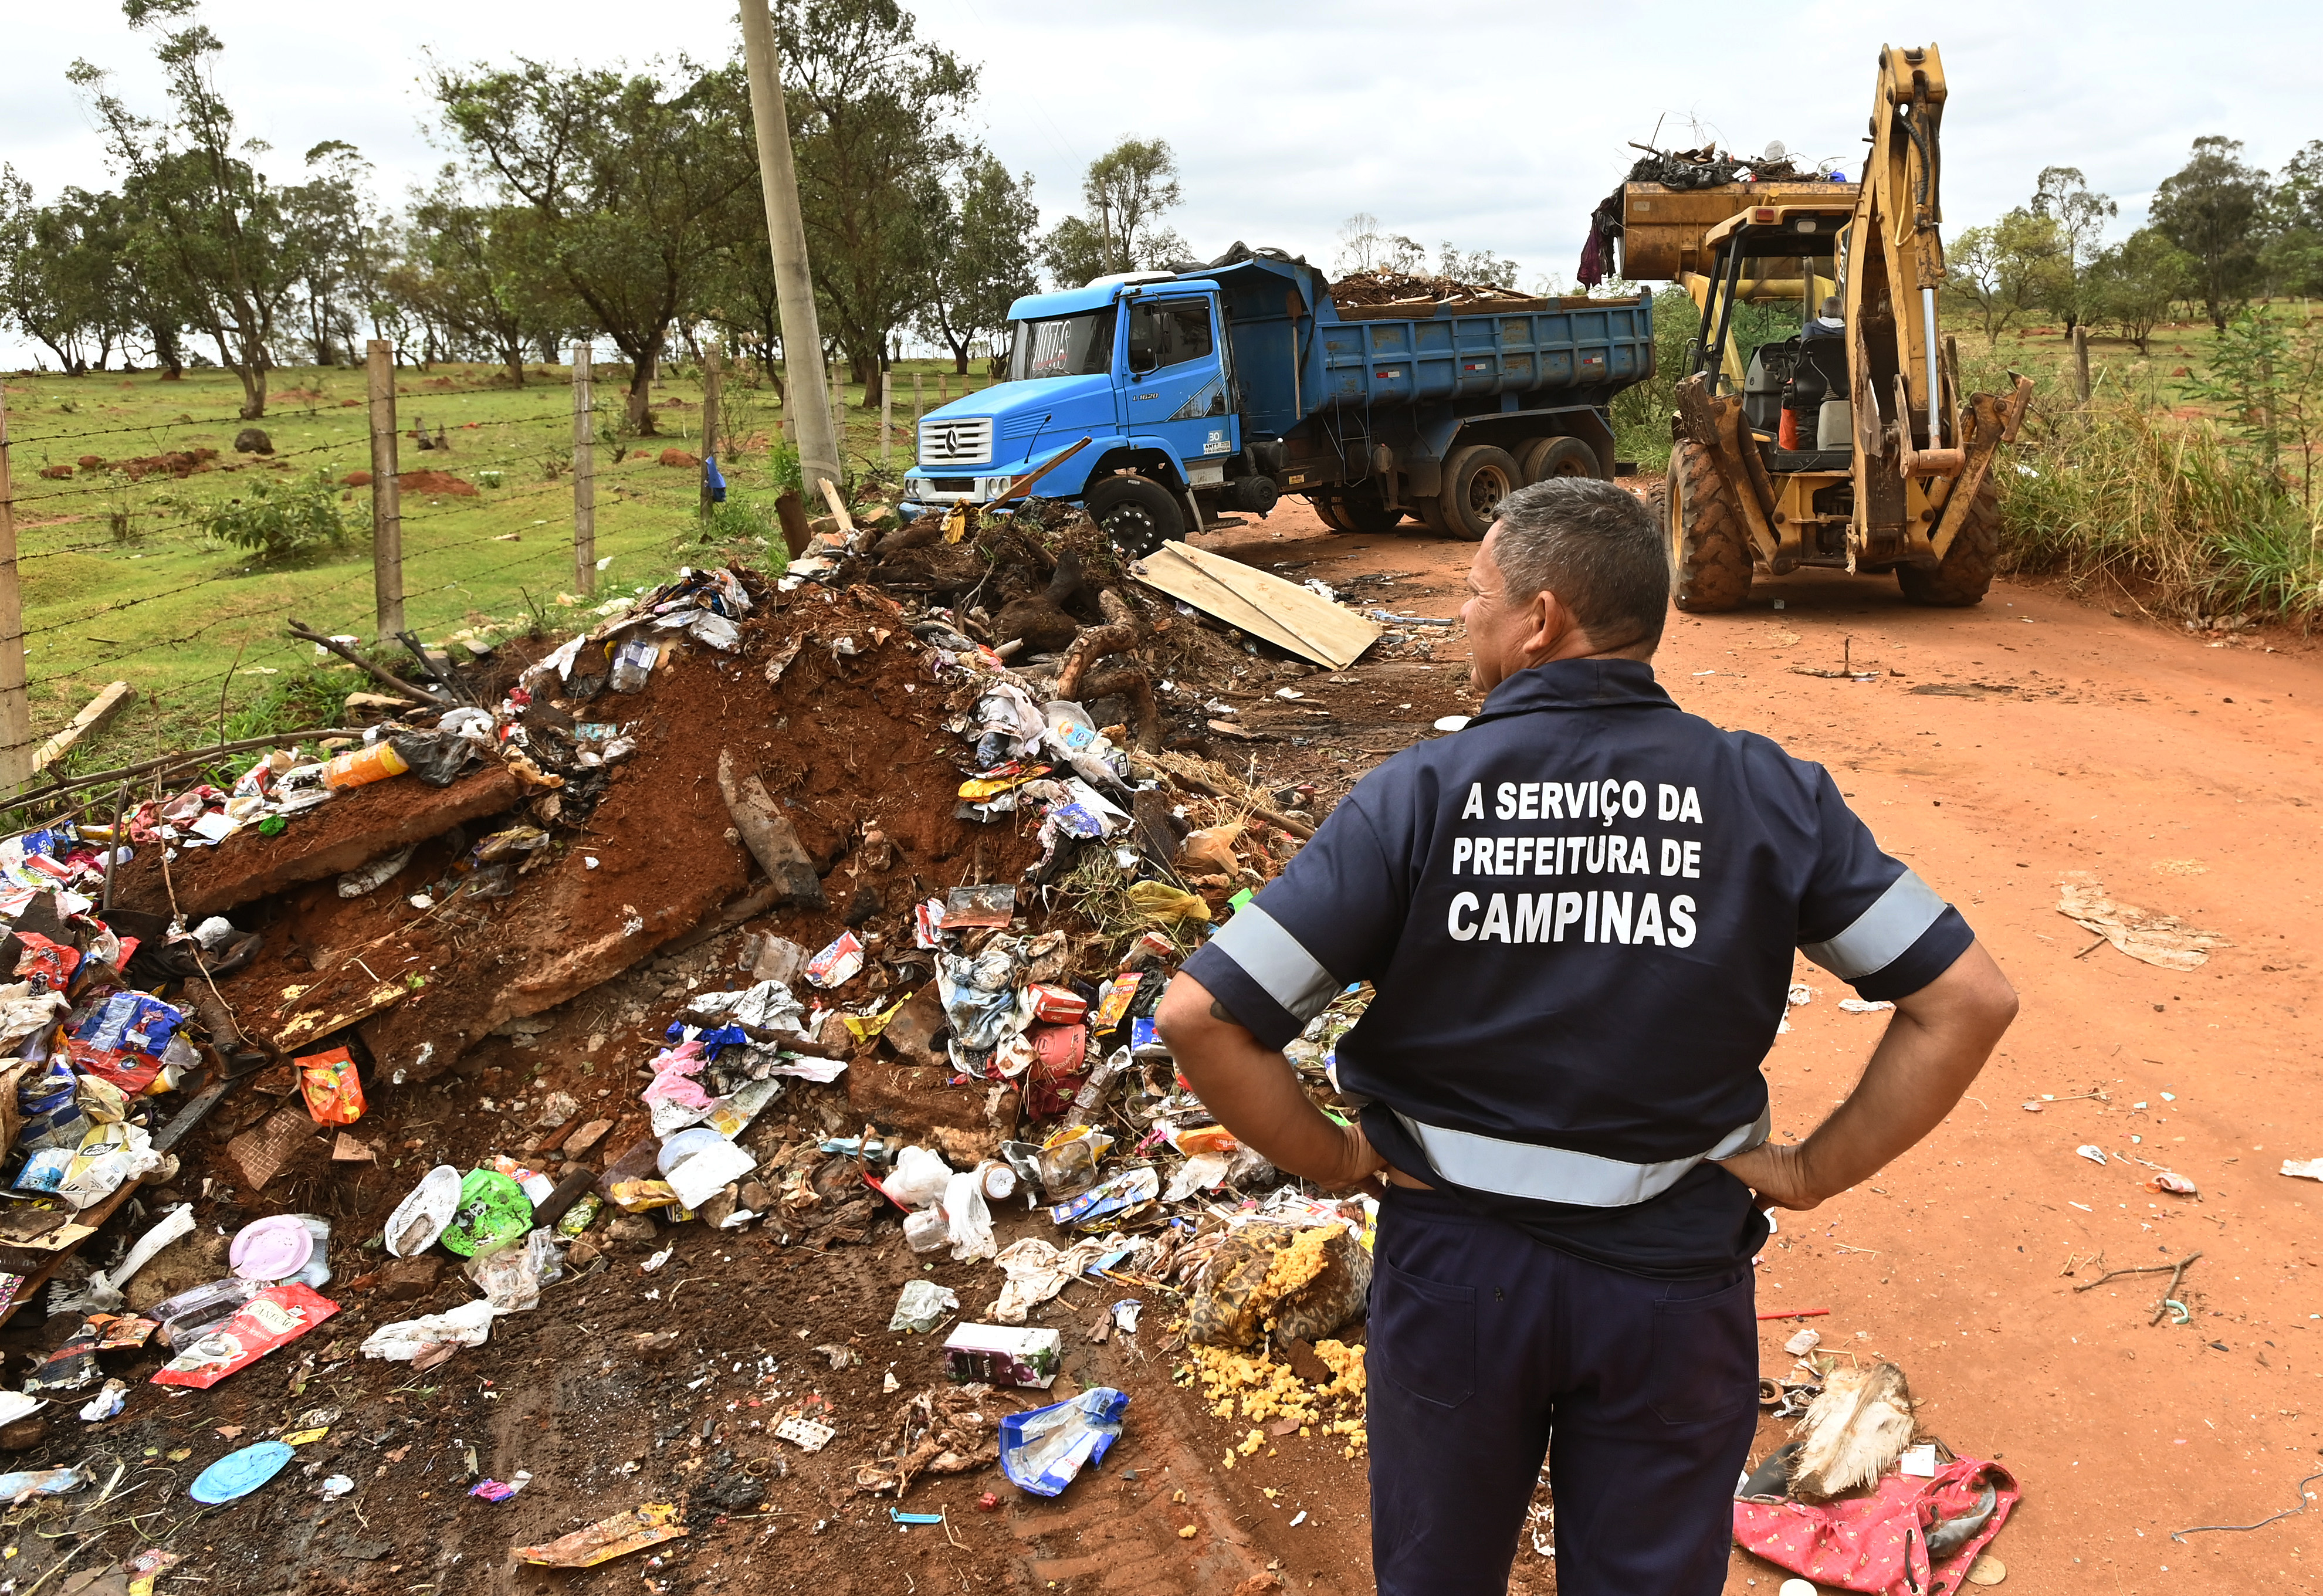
(1256, 1095)
(1775, 1175)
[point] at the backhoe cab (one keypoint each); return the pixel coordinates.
(1847, 443)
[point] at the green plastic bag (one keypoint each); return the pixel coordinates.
(492, 1209)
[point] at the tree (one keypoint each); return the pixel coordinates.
(61, 273)
(2267, 377)
(634, 190)
(2134, 284)
(871, 107)
(2062, 195)
(2212, 208)
(327, 238)
(208, 215)
(1477, 268)
(2291, 260)
(984, 255)
(2006, 269)
(1125, 193)
(480, 272)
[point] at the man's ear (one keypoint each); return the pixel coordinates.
(1547, 621)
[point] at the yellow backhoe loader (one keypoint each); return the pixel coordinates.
(1849, 444)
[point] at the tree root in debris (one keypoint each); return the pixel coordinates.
(1132, 682)
(1120, 632)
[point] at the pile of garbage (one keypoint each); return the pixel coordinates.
(958, 833)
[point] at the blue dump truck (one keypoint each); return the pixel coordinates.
(1211, 391)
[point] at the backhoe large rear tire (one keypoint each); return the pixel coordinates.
(1710, 553)
(1966, 574)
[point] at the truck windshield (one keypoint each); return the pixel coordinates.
(1077, 345)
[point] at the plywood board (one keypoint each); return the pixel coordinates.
(1283, 613)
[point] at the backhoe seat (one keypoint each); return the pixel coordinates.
(1821, 374)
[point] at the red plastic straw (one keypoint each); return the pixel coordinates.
(1797, 1313)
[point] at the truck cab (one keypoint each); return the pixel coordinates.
(1142, 368)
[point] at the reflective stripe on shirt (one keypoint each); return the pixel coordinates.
(1278, 961)
(1883, 932)
(1559, 1174)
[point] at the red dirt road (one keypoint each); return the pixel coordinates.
(2001, 747)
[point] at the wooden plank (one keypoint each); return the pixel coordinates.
(1282, 612)
(312, 1024)
(92, 716)
(1180, 578)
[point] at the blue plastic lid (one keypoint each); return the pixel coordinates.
(238, 1473)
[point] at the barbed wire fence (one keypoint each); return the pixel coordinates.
(152, 504)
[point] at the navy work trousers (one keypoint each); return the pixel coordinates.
(1487, 1349)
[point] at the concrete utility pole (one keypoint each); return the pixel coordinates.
(809, 405)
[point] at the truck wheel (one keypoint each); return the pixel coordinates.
(1475, 479)
(1364, 511)
(1544, 458)
(1709, 558)
(1330, 512)
(1139, 514)
(1966, 574)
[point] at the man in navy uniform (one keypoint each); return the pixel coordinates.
(1578, 914)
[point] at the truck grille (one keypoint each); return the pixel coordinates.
(964, 442)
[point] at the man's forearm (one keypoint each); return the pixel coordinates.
(1253, 1090)
(1933, 1050)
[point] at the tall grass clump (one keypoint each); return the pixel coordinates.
(2198, 515)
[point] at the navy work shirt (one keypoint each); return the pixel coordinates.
(1578, 914)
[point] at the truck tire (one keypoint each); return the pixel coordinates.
(1547, 458)
(1475, 479)
(1139, 514)
(1331, 512)
(1966, 574)
(1710, 555)
(1364, 512)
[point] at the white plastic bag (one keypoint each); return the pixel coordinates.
(969, 1220)
(511, 1276)
(920, 1177)
(469, 1324)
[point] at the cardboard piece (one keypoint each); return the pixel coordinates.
(262, 1153)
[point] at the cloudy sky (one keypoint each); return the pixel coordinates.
(1488, 124)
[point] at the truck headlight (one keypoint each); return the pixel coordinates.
(990, 488)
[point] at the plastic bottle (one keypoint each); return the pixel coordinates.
(359, 767)
(926, 1230)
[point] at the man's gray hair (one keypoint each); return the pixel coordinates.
(1594, 545)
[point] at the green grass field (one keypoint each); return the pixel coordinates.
(120, 583)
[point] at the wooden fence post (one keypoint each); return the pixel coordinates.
(386, 494)
(886, 416)
(713, 389)
(584, 475)
(2081, 363)
(15, 706)
(838, 412)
